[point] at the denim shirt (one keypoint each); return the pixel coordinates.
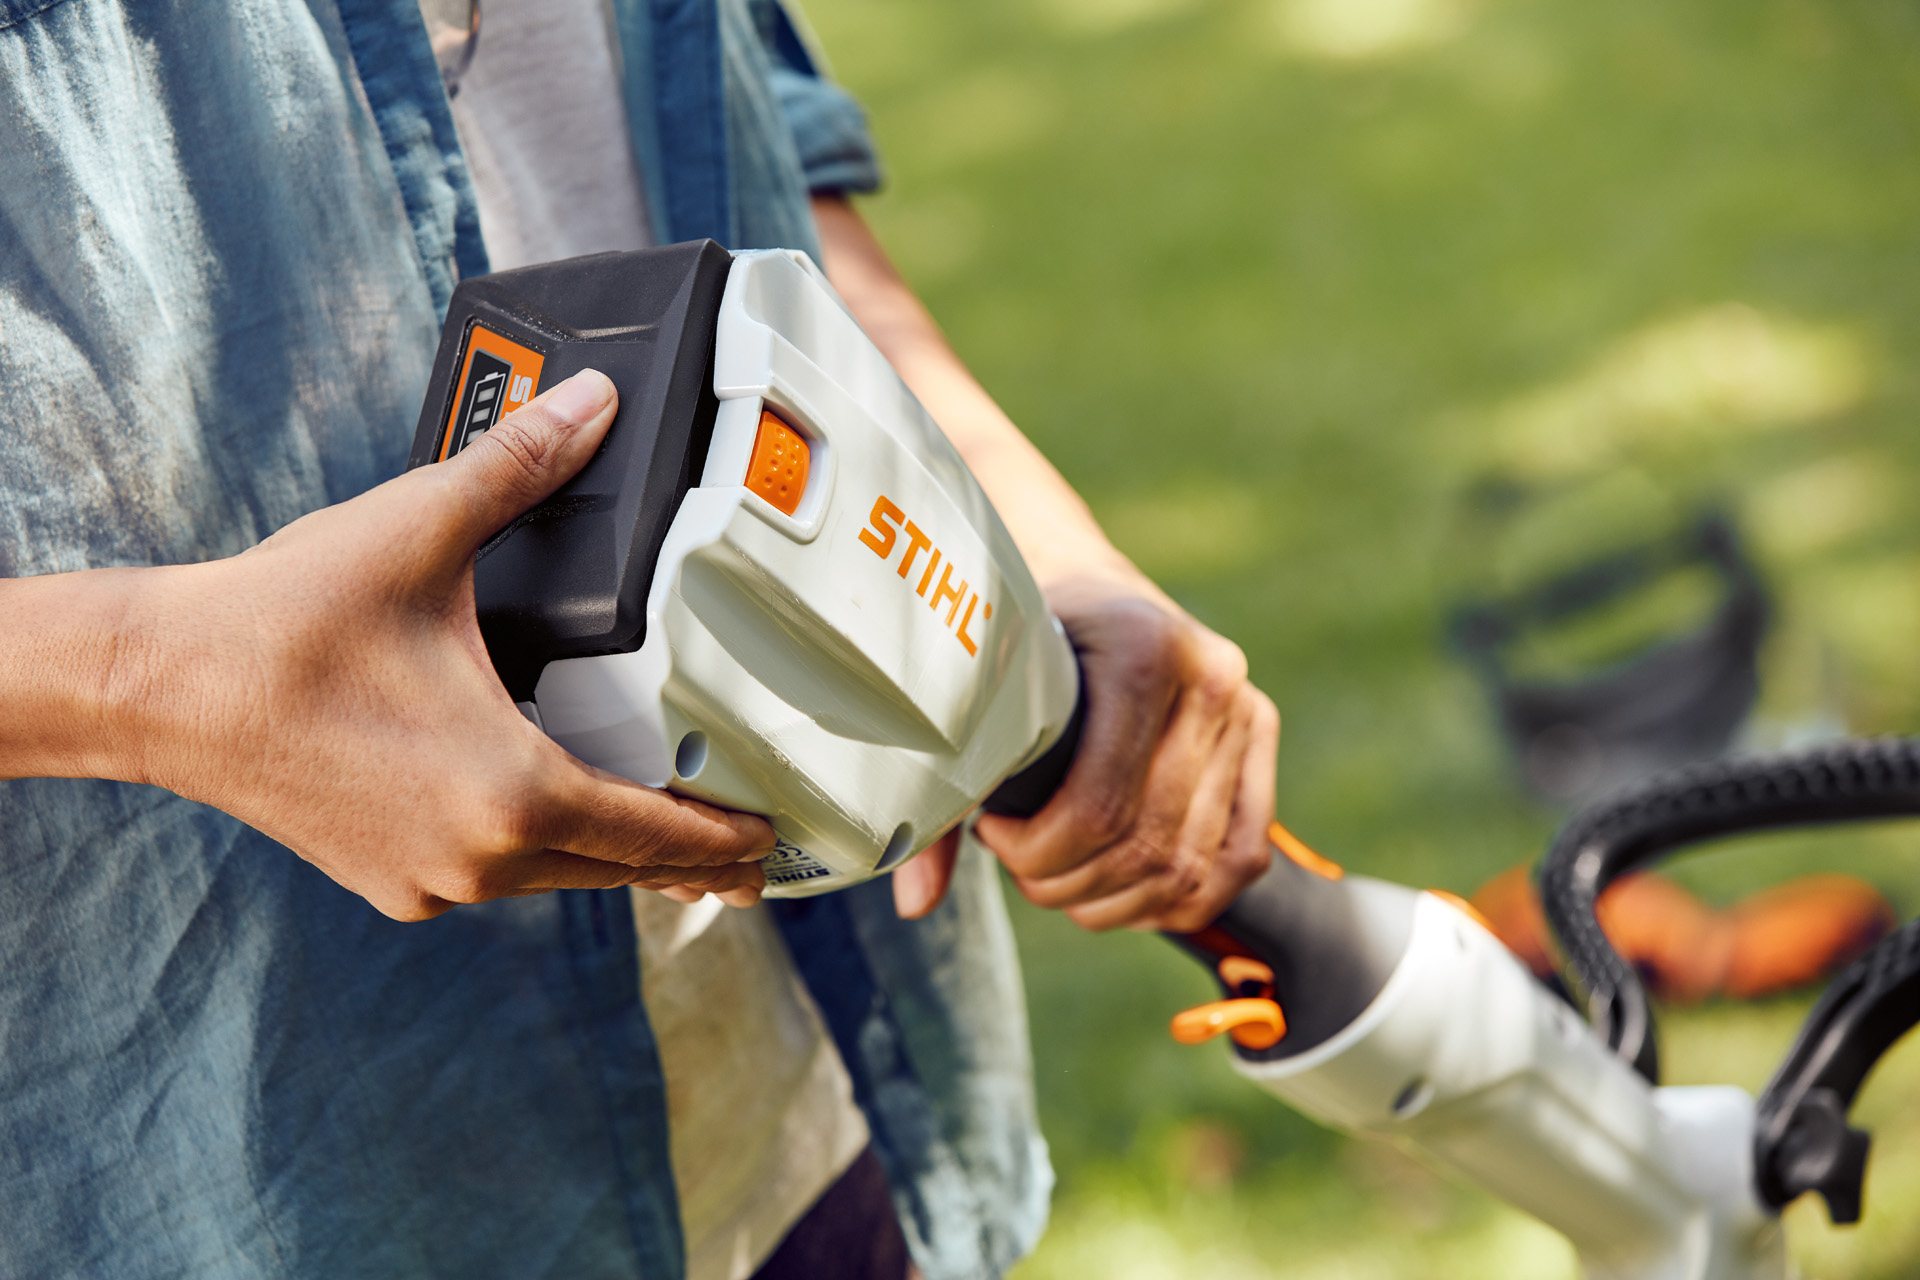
(227, 232)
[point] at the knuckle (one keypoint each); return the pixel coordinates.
(468, 881)
(1183, 877)
(508, 826)
(1221, 671)
(1044, 893)
(1142, 859)
(410, 907)
(525, 440)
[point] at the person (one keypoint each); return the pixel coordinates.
(319, 959)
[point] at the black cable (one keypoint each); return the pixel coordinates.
(1848, 781)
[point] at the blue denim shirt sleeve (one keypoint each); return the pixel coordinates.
(398, 75)
(830, 135)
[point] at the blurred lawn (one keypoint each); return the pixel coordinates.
(1274, 281)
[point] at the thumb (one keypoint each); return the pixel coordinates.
(921, 883)
(526, 456)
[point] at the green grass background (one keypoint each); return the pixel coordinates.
(1274, 282)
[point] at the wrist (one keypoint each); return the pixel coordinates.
(65, 637)
(137, 711)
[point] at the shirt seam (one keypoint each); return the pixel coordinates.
(34, 12)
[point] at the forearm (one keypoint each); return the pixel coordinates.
(1050, 523)
(66, 647)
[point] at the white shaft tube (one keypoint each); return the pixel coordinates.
(1468, 1061)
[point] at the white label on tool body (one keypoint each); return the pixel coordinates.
(790, 864)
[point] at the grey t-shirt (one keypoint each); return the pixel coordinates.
(545, 132)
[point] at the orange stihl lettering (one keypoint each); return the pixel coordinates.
(947, 591)
(882, 533)
(973, 649)
(884, 521)
(916, 543)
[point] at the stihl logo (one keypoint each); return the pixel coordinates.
(884, 527)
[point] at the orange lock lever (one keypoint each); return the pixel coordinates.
(1253, 1018)
(1237, 971)
(1253, 1024)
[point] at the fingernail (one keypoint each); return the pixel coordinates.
(581, 396)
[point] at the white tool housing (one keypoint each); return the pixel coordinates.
(861, 671)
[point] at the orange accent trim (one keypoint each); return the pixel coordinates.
(778, 469)
(1466, 908)
(1298, 853)
(1254, 1024)
(522, 380)
(1235, 970)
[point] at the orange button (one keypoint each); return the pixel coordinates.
(778, 471)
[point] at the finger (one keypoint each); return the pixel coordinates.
(681, 894)
(544, 870)
(1146, 874)
(745, 895)
(598, 815)
(921, 883)
(1132, 688)
(1245, 851)
(703, 880)
(526, 456)
(1182, 817)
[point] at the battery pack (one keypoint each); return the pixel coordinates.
(570, 577)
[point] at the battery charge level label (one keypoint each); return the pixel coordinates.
(497, 376)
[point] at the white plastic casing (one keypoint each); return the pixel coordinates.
(792, 669)
(1473, 1065)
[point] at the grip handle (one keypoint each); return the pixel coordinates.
(1027, 792)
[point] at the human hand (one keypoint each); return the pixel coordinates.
(330, 687)
(1162, 819)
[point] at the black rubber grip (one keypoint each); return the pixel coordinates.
(1027, 792)
(1840, 782)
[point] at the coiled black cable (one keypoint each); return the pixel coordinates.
(1847, 781)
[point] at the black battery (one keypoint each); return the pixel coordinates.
(570, 577)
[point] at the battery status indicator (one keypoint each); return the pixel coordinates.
(498, 376)
(486, 393)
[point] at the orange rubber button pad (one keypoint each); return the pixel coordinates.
(778, 469)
